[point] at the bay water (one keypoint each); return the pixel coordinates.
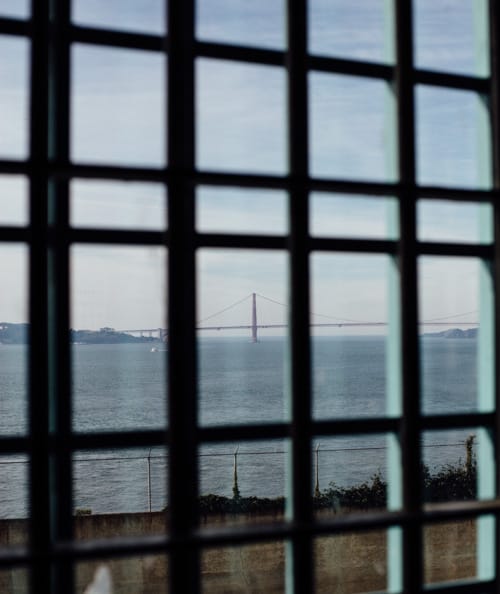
(121, 387)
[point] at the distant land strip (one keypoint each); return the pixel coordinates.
(11, 333)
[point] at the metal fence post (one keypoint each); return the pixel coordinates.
(236, 490)
(317, 492)
(149, 478)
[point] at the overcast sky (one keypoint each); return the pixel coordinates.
(118, 117)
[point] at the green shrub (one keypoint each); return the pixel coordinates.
(448, 483)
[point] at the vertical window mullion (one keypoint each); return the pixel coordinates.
(39, 475)
(494, 31)
(410, 433)
(58, 297)
(299, 357)
(183, 472)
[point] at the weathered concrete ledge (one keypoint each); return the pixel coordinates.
(345, 564)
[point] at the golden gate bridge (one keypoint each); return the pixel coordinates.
(254, 326)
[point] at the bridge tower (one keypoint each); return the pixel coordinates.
(254, 318)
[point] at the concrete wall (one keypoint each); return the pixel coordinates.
(345, 564)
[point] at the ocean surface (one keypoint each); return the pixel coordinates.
(118, 387)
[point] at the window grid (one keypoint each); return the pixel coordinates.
(51, 442)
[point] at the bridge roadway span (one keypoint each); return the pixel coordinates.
(316, 325)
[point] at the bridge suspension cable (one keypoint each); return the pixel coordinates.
(465, 313)
(217, 313)
(326, 316)
(314, 314)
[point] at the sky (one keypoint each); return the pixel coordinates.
(118, 117)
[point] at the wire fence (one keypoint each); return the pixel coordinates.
(138, 481)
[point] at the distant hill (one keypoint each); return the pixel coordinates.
(106, 336)
(18, 334)
(453, 333)
(13, 333)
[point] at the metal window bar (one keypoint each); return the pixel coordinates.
(39, 452)
(299, 573)
(49, 239)
(494, 23)
(183, 476)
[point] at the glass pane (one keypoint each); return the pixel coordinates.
(142, 16)
(243, 483)
(452, 36)
(351, 128)
(460, 222)
(352, 563)
(449, 315)
(246, 568)
(257, 23)
(15, 8)
(14, 498)
(118, 106)
(352, 29)
(122, 205)
(351, 474)
(241, 210)
(242, 336)
(450, 551)
(120, 492)
(13, 340)
(349, 324)
(343, 215)
(123, 576)
(241, 118)
(14, 580)
(118, 298)
(13, 200)
(14, 97)
(453, 146)
(450, 465)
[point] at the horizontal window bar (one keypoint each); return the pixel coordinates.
(354, 426)
(455, 249)
(367, 189)
(353, 245)
(112, 38)
(240, 180)
(9, 26)
(104, 236)
(457, 194)
(342, 523)
(252, 55)
(240, 241)
(14, 556)
(12, 167)
(452, 81)
(14, 234)
(14, 445)
(125, 439)
(457, 421)
(250, 432)
(244, 432)
(350, 67)
(116, 547)
(95, 171)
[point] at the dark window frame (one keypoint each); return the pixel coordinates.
(50, 443)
